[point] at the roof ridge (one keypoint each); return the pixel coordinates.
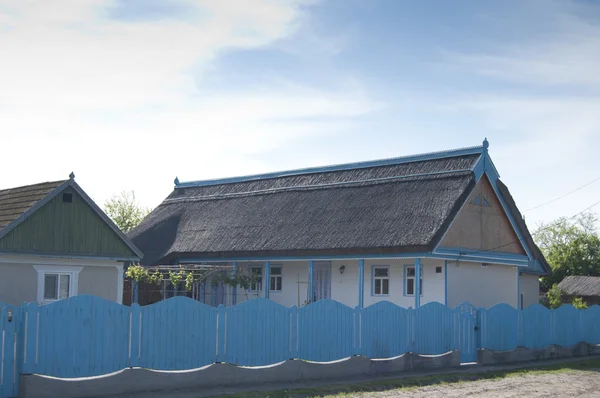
(480, 149)
(33, 185)
(373, 181)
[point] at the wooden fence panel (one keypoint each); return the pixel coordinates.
(590, 325)
(77, 337)
(385, 330)
(325, 331)
(177, 334)
(536, 327)
(434, 329)
(566, 322)
(500, 328)
(258, 332)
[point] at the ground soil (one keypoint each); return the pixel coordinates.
(568, 384)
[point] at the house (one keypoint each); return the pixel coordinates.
(586, 287)
(55, 242)
(357, 233)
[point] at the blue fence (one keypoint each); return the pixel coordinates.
(88, 336)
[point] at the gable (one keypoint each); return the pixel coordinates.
(482, 224)
(63, 227)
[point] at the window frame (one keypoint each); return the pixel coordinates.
(406, 278)
(262, 275)
(43, 270)
(373, 278)
(275, 277)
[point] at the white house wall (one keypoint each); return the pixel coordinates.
(344, 286)
(481, 286)
(530, 289)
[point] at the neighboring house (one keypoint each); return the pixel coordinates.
(55, 242)
(357, 233)
(586, 287)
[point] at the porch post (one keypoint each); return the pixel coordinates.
(361, 283)
(234, 288)
(417, 283)
(267, 282)
(310, 281)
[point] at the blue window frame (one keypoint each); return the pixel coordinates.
(276, 279)
(409, 280)
(380, 280)
(256, 271)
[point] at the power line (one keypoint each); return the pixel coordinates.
(563, 196)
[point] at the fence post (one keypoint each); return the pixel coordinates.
(358, 343)
(135, 336)
(479, 337)
(221, 333)
(293, 332)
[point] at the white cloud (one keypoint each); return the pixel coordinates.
(122, 103)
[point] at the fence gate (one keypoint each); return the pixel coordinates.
(467, 332)
(10, 316)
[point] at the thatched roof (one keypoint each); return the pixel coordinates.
(581, 285)
(16, 201)
(385, 208)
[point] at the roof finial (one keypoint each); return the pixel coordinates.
(486, 144)
(72, 176)
(176, 181)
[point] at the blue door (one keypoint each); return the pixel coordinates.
(467, 332)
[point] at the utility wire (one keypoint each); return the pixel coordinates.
(563, 196)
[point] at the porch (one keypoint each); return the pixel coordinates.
(353, 282)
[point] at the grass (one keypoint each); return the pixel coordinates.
(405, 383)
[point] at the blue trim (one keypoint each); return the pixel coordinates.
(417, 282)
(311, 288)
(445, 282)
(373, 266)
(465, 257)
(361, 283)
(267, 283)
(234, 288)
(460, 251)
(339, 167)
(518, 306)
(66, 256)
(250, 267)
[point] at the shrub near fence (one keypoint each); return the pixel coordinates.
(89, 336)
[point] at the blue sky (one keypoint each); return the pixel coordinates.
(130, 94)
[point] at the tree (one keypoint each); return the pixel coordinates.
(555, 297)
(572, 247)
(578, 303)
(124, 210)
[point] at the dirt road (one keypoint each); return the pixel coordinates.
(569, 384)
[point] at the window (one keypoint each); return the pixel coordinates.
(409, 280)
(255, 278)
(68, 197)
(276, 279)
(57, 286)
(381, 280)
(438, 270)
(56, 282)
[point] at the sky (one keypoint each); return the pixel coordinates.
(130, 94)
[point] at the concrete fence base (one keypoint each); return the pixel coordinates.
(226, 375)
(521, 354)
